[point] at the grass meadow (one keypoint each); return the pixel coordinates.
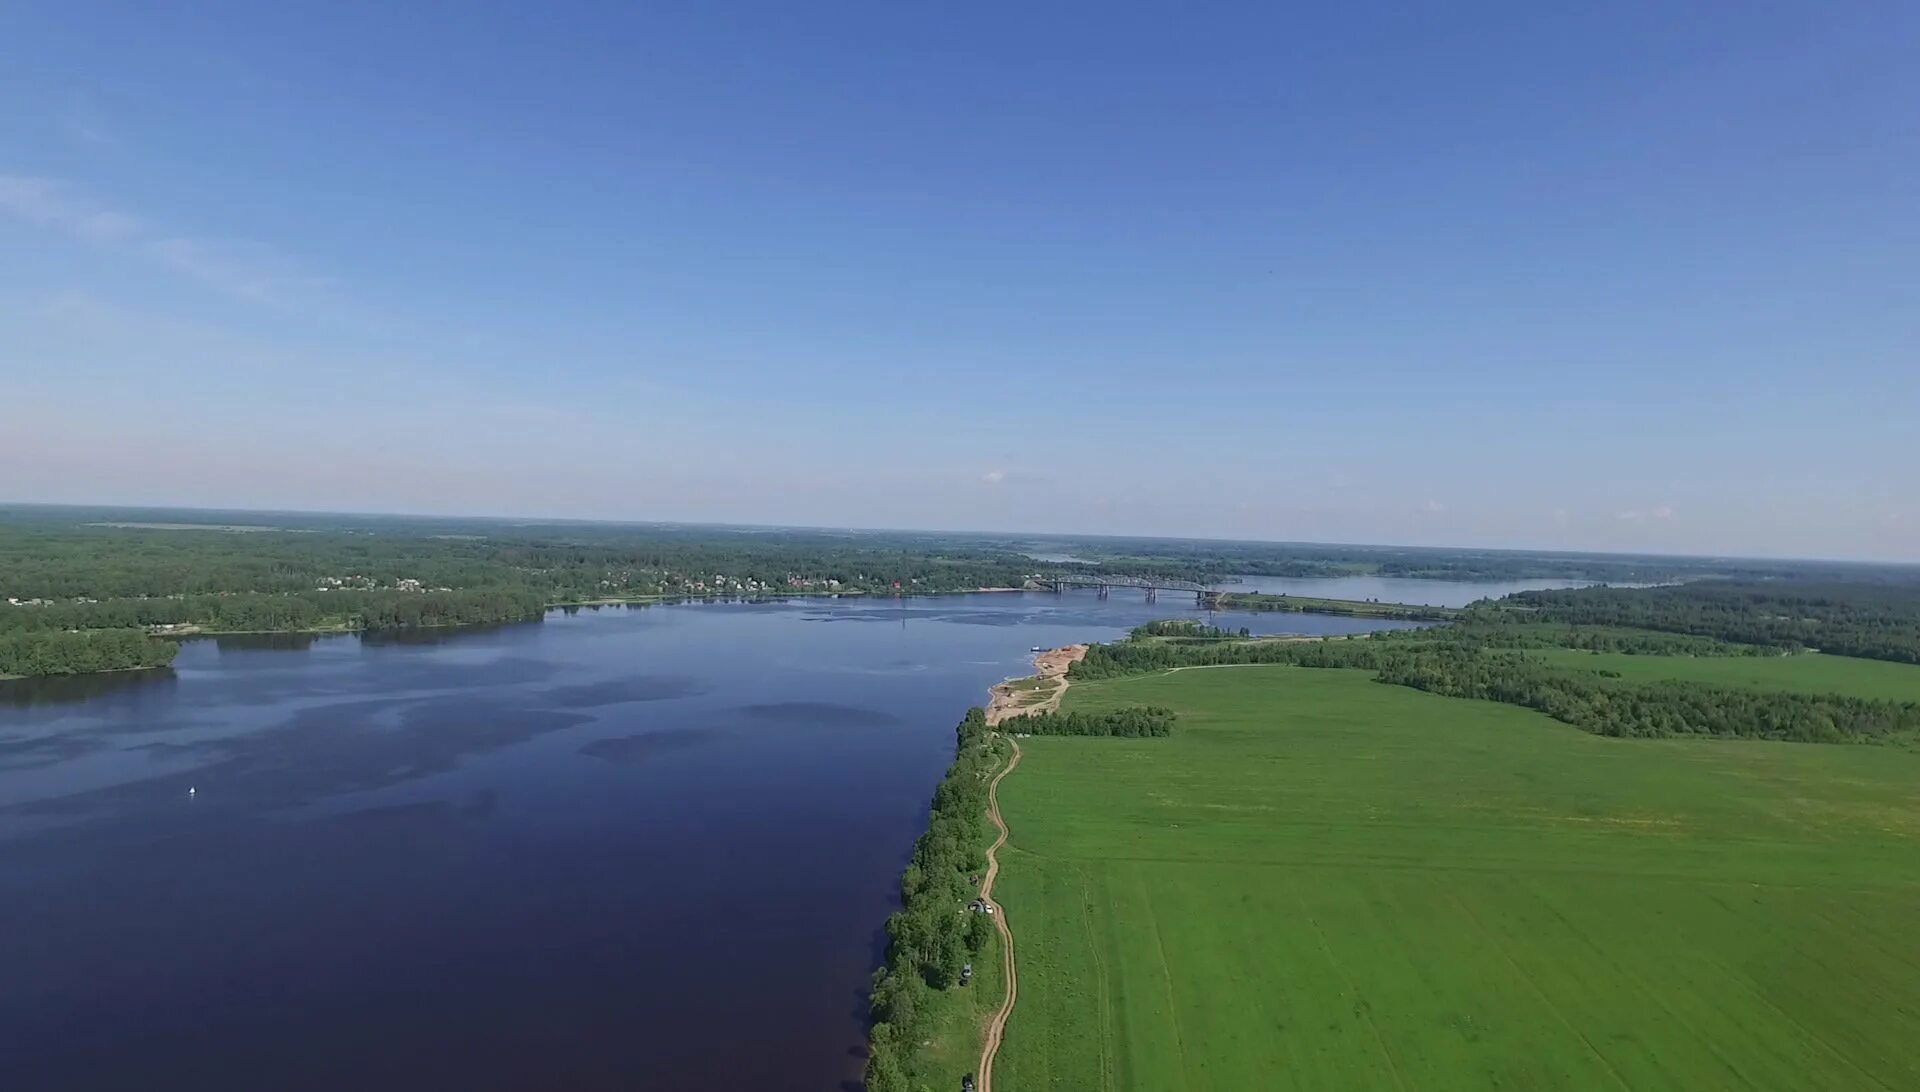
(1325, 882)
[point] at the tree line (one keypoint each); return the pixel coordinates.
(268, 612)
(1208, 562)
(1190, 629)
(1298, 604)
(1587, 700)
(61, 653)
(63, 562)
(1137, 722)
(933, 936)
(1611, 707)
(1508, 629)
(1137, 657)
(1872, 621)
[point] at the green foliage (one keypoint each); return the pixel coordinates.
(1352, 608)
(63, 561)
(62, 653)
(1138, 657)
(1810, 673)
(1138, 722)
(1874, 621)
(1456, 664)
(312, 573)
(1493, 628)
(1208, 561)
(1188, 629)
(932, 937)
(1615, 707)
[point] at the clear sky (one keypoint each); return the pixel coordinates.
(1617, 276)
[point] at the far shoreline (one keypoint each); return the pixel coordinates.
(184, 632)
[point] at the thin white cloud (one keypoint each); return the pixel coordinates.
(1012, 476)
(1433, 506)
(249, 270)
(46, 202)
(1642, 515)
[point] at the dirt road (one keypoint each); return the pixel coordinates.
(997, 1026)
(1011, 699)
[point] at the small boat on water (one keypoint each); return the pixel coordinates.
(1036, 648)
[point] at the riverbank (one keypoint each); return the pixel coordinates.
(929, 1030)
(190, 629)
(1039, 692)
(186, 631)
(776, 594)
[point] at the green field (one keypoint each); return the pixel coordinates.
(1809, 673)
(1322, 882)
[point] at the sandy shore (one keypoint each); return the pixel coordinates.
(1039, 693)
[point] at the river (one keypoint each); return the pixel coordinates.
(1390, 589)
(624, 848)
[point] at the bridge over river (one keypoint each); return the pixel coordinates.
(1152, 586)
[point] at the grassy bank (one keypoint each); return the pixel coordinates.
(1325, 882)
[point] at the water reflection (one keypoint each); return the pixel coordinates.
(268, 642)
(59, 689)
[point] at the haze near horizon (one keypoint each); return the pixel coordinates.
(1626, 280)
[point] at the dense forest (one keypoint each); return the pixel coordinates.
(259, 612)
(1138, 657)
(1190, 629)
(1207, 560)
(62, 562)
(1879, 622)
(303, 574)
(932, 936)
(1139, 722)
(173, 573)
(1516, 630)
(63, 653)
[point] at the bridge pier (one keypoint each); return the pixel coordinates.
(1103, 591)
(1153, 594)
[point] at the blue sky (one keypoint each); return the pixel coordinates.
(1630, 276)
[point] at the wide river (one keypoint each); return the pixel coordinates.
(618, 849)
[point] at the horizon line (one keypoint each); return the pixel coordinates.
(536, 521)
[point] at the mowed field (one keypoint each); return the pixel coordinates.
(1808, 673)
(1323, 882)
